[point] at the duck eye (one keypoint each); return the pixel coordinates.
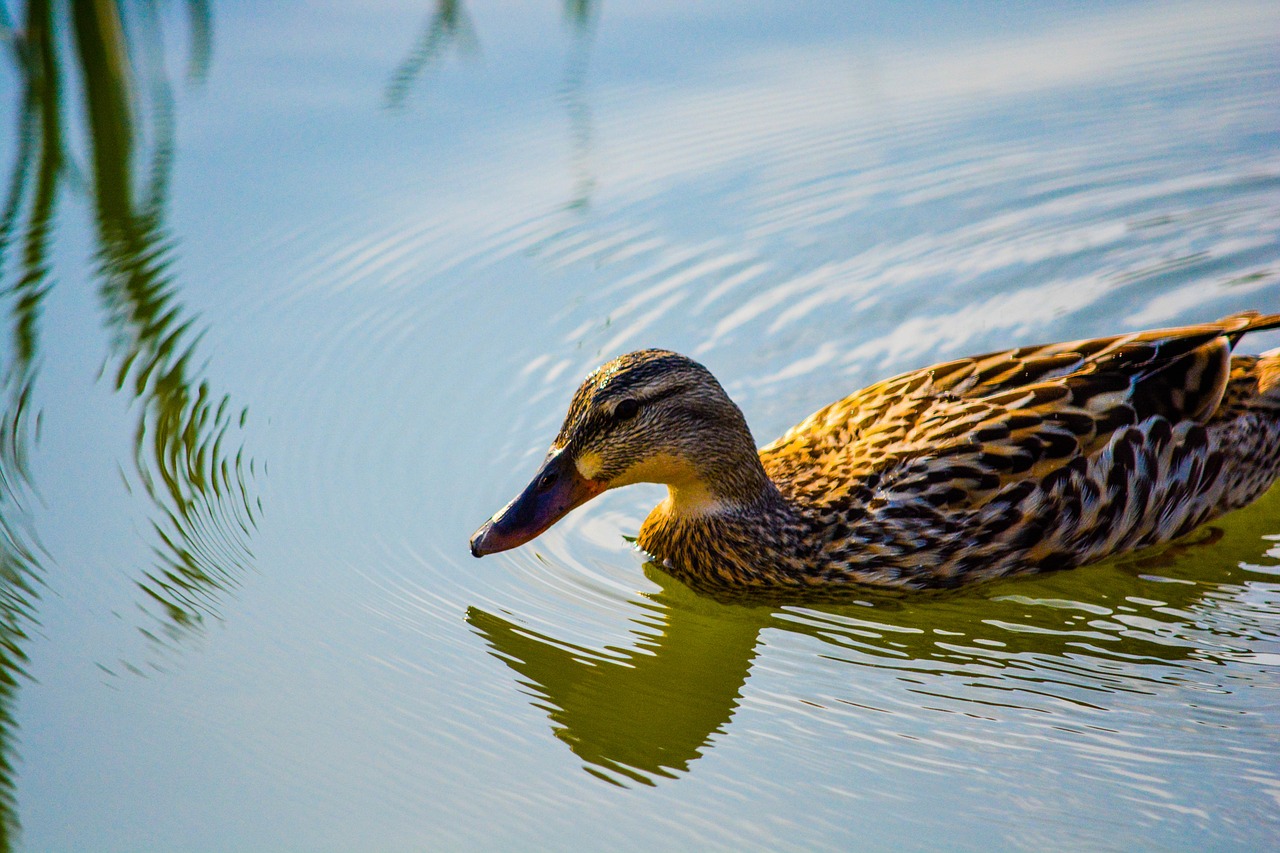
(626, 409)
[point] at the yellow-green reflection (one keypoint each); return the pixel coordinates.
(186, 454)
(646, 711)
(183, 458)
(196, 482)
(640, 711)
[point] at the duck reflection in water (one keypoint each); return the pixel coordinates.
(644, 711)
(640, 714)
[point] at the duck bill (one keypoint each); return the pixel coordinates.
(556, 489)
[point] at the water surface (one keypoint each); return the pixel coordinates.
(295, 298)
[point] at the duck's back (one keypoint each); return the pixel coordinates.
(1040, 457)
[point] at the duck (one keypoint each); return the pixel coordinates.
(1026, 460)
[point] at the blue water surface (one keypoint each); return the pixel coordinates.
(309, 304)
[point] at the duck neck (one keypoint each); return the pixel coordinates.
(727, 490)
(709, 529)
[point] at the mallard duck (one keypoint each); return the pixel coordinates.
(1031, 459)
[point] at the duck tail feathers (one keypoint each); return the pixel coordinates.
(1237, 326)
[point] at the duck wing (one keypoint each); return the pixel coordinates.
(953, 434)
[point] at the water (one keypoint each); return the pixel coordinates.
(287, 324)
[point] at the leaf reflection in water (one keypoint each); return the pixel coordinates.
(448, 25)
(638, 714)
(186, 458)
(183, 455)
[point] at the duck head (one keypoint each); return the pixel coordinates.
(646, 417)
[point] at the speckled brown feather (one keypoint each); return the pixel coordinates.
(1036, 458)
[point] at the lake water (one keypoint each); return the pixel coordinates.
(292, 315)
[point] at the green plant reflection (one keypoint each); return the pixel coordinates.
(196, 482)
(187, 459)
(648, 711)
(448, 26)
